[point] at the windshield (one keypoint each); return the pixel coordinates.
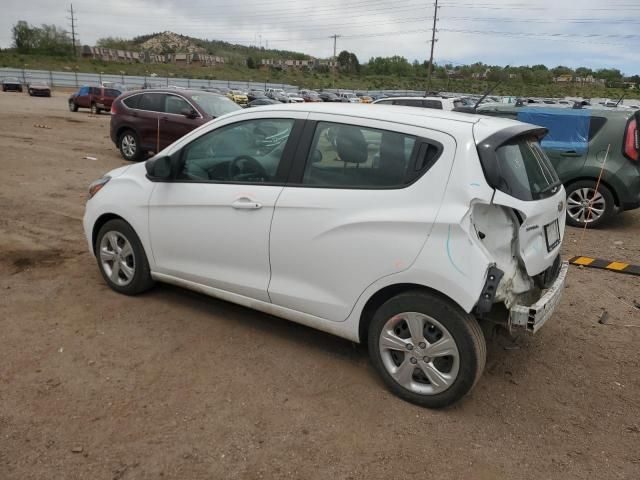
(11, 79)
(525, 170)
(215, 105)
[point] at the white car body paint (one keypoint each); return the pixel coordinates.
(326, 252)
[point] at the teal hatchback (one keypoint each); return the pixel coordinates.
(577, 145)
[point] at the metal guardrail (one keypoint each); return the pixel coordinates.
(74, 79)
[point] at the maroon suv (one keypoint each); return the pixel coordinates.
(94, 98)
(150, 120)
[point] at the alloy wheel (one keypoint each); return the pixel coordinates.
(129, 145)
(586, 205)
(419, 353)
(117, 259)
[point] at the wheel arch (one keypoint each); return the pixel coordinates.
(100, 221)
(382, 295)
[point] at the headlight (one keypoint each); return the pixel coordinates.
(97, 185)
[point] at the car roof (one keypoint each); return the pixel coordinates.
(186, 91)
(420, 117)
(422, 98)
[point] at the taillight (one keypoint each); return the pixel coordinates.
(114, 110)
(632, 140)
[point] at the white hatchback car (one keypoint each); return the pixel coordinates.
(399, 227)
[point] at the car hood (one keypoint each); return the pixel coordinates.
(116, 172)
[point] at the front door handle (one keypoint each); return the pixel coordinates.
(246, 203)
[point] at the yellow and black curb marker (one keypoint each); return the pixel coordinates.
(606, 265)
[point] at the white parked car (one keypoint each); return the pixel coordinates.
(295, 97)
(348, 97)
(400, 227)
(438, 103)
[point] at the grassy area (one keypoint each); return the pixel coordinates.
(308, 79)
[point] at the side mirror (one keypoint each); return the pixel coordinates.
(161, 168)
(316, 157)
(189, 112)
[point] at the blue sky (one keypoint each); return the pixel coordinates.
(588, 33)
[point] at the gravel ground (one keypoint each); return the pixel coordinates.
(175, 385)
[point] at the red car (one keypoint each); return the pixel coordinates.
(150, 120)
(96, 99)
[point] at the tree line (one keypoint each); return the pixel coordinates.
(45, 39)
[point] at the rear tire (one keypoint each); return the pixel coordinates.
(579, 196)
(427, 350)
(94, 109)
(129, 146)
(121, 258)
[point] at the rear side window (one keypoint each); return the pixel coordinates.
(153, 102)
(408, 102)
(350, 156)
(437, 104)
(110, 92)
(132, 101)
(595, 126)
(95, 91)
(525, 171)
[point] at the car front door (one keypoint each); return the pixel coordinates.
(363, 199)
(211, 224)
(174, 124)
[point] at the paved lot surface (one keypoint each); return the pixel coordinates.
(174, 385)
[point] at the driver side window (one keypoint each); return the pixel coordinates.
(245, 152)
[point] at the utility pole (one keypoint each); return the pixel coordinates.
(433, 44)
(73, 29)
(335, 59)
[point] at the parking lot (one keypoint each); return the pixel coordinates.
(172, 384)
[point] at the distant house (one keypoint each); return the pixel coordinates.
(288, 64)
(563, 79)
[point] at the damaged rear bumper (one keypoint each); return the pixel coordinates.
(533, 317)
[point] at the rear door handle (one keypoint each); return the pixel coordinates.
(570, 153)
(246, 203)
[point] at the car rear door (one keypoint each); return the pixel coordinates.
(361, 204)
(567, 141)
(150, 109)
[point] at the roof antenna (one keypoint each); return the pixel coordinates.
(488, 92)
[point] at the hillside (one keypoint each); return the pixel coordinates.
(170, 42)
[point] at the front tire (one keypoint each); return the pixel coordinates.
(72, 106)
(427, 350)
(121, 258)
(129, 146)
(587, 207)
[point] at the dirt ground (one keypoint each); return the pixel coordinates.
(174, 385)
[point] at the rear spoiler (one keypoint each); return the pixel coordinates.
(487, 148)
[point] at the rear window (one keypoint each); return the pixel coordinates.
(408, 102)
(525, 171)
(110, 92)
(215, 105)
